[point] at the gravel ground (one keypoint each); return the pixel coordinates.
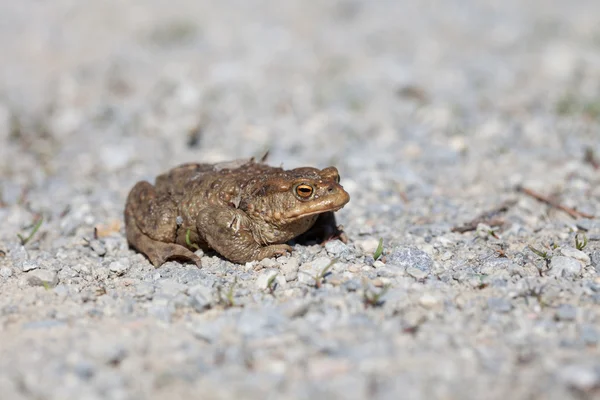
(435, 112)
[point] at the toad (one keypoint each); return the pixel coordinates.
(245, 210)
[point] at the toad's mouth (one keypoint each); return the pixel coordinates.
(300, 215)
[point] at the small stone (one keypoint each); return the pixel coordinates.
(416, 273)
(336, 248)
(6, 272)
(108, 352)
(29, 266)
(119, 267)
(42, 277)
(269, 263)
(566, 312)
(576, 254)
(428, 300)
(160, 308)
(378, 282)
(262, 282)
(405, 257)
(295, 308)
(352, 285)
(499, 305)
(201, 297)
(562, 266)
(114, 157)
(98, 247)
(84, 369)
(144, 290)
(19, 255)
(368, 245)
(308, 271)
(589, 334)
(289, 268)
(101, 273)
(581, 377)
(354, 268)
(170, 288)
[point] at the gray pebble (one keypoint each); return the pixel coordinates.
(42, 277)
(352, 285)
(289, 268)
(581, 377)
(566, 312)
(590, 335)
(576, 254)
(115, 245)
(562, 266)
(98, 247)
(404, 257)
(170, 288)
(67, 273)
(29, 265)
(589, 225)
(416, 273)
(251, 322)
(389, 272)
(18, 255)
(262, 281)
(84, 369)
(144, 290)
(201, 297)
(119, 267)
(309, 270)
(161, 309)
(337, 248)
(498, 304)
(6, 272)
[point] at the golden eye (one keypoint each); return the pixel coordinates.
(304, 191)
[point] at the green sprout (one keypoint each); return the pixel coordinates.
(25, 239)
(543, 254)
(539, 253)
(379, 250)
(320, 277)
(372, 298)
(189, 242)
(580, 245)
(271, 283)
(229, 296)
(228, 299)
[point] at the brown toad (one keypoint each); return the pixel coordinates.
(243, 209)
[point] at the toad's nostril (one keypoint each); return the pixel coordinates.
(330, 189)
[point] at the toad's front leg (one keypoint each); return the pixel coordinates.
(228, 231)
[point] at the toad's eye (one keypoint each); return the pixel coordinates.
(337, 179)
(304, 191)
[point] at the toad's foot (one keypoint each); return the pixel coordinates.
(160, 252)
(275, 250)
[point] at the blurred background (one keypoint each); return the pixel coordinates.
(434, 111)
(430, 97)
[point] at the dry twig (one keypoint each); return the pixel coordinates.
(489, 218)
(553, 203)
